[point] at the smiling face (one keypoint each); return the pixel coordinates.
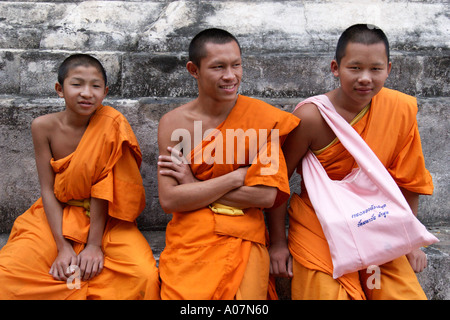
(220, 72)
(362, 71)
(83, 90)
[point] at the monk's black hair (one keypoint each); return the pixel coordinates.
(214, 35)
(360, 33)
(77, 60)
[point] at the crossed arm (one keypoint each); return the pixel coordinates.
(180, 191)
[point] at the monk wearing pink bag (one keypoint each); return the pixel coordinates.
(386, 120)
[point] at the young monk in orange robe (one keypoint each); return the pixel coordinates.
(386, 120)
(80, 239)
(215, 242)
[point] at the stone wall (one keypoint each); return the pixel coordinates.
(287, 48)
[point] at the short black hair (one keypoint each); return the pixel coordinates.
(214, 35)
(77, 60)
(360, 33)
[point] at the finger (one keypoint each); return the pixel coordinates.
(170, 173)
(94, 271)
(176, 155)
(290, 267)
(82, 265)
(169, 165)
(175, 152)
(87, 271)
(61, 272)
(164, 158)
(100, 267)
(282, 269)
(273, 269)
(54, 272)
(74, 261)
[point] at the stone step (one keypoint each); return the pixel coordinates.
(276, 75)
(435, 279)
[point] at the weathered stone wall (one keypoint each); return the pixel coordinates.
(287, 47)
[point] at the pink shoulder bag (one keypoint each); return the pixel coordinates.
(365, 217)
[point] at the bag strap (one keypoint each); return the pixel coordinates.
(357, 147)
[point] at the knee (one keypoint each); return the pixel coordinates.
(145, 268)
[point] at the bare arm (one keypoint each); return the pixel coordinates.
(91, 259)
(242, 197)
(417, 258)
(53, 208)
(247, 197)
(295, 147)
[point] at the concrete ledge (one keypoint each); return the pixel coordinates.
(435, 279)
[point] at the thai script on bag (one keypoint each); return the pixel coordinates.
(382, 213)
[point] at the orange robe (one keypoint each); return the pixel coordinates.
(206, 253)
(104, 165)
(390, 129)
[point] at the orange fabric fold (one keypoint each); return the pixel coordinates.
(106, 161)
(206, 254)
(390, 129)
(104, 165)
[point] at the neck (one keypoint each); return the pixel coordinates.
(74, 120)
(347, 108)
(215, 108)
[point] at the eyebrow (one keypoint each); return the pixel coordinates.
(358, 62)
(220, 61)
(82, 79)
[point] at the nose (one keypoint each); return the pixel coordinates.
(364, 77)
(228, 74)
(86, 92)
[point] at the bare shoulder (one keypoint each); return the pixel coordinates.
(45, 124)
(309, 114)
(313, 127)
(175, 117)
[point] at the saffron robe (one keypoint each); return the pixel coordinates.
(390, 129)
(104, 165)
(206, 253)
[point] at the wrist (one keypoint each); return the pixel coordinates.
(62, 243)
(239, 178)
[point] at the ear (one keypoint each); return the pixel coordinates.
(106, 91)
(192, 69)
(59, 90)
(335, 68)
(389, 67)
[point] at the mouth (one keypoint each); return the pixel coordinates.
(85, 104)
(364, 90)
(229, 88)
